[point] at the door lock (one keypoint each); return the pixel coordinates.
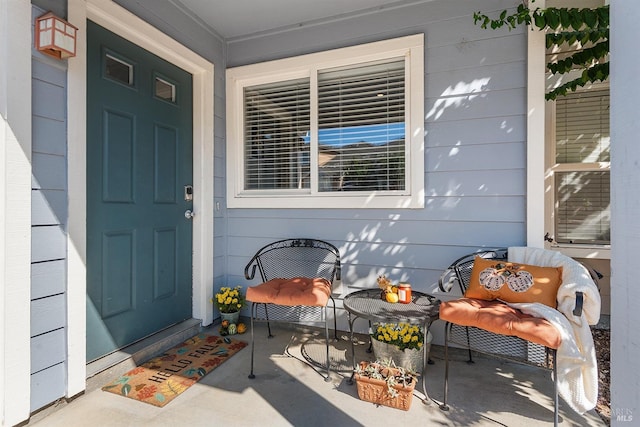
(188, 193)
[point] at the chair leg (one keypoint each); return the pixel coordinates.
(469, 346)
(326, 336)
(555, 388)
(447, 328)
(254, 309)
(266, 315)
(335, 321)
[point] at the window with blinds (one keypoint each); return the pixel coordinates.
(361, 128)
(276, 119)
(342, 128)
(582, 208)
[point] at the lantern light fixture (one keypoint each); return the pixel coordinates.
(55, 36)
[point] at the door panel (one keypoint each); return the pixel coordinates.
(118, 166)
(139, 158)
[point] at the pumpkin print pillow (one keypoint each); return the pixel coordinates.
(514, 282)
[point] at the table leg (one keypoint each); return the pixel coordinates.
(425, 359)
(353, 349)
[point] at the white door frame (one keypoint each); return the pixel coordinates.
(120, 21)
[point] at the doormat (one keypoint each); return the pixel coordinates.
(163, 378)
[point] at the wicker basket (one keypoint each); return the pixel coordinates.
(375, 391)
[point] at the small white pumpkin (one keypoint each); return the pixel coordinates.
(232, 329)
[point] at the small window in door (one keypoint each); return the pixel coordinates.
(118, 70)
(164, 90)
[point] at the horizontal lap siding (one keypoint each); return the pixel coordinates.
(475, 148)
(48, 235)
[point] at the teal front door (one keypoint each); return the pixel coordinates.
(139, 173)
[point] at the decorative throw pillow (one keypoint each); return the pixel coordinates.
(513, 282)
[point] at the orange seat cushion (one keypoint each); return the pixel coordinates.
(514, 282)
(290, 292)
(499, 318)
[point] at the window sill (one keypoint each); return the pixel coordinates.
(328, 201)
(583, 251)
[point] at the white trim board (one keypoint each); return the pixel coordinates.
(15, 208)
(535, 135)
(120, 21)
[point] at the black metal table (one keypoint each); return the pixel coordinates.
(367, 304)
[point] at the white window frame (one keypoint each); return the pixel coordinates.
(551, 167)
(538, 218)
(411, 48)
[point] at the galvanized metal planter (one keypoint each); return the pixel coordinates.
(407, 358)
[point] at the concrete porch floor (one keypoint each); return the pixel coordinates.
(288, 392)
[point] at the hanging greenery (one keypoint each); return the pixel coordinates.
(588, 27)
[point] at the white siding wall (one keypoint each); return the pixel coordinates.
(475, 157)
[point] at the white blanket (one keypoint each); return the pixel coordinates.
(576, 358)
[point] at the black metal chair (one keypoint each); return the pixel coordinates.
(472, 338)
(305, 258)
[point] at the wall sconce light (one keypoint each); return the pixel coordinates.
(55, 36)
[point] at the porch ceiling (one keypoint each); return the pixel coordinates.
(240, 19)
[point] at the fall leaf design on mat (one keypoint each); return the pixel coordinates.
(193, 340)
(168, 357)
(147, 391)
(174, 387)
(195, 373)
(135, 371)
(237, 345)
(211, 362)
(222, 352)
(213, 339)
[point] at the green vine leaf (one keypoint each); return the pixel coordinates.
(589, 18)
(583, 58)
(568, 26)
(598, 72)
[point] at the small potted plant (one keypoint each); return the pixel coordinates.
(401, 342)
(383, 383)
(229, 302)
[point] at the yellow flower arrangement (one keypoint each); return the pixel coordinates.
(402, 335)
(229, 300)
